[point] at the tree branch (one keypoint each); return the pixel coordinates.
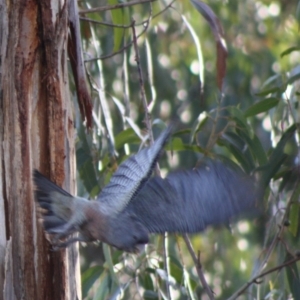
(122, 49)
(255, 278)
(198, 267)
(141, 81)
(116, 6)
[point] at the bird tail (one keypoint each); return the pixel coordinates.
(57, 205)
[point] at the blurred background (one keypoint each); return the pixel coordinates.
(239, 105)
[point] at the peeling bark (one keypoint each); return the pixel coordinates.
(36, 131)
(77, 64)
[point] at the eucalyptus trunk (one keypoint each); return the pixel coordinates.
(36, 131)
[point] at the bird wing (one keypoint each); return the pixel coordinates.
(189, 201)
(131, 176)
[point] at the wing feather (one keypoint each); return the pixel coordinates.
(131, 176)
(189, 201)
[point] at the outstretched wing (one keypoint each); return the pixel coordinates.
(189, 201)
(131, 176)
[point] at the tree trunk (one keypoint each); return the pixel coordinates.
(36, 131)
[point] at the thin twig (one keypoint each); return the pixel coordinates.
(275, 241)
(185, 273)
(198, 267)
(255, 278)
(122, 49)
(213, 136)
(108, 24)
(141, 23)
(165, 8)
(142, 87)
(166, 263)
(276, 238)
(116, 6)
(144, 23)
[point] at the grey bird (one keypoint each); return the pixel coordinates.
(135, 204)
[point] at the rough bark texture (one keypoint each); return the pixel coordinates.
(36, 131)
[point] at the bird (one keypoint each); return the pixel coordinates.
(136, 203)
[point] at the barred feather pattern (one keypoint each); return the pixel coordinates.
(189, 201)
(131, 176)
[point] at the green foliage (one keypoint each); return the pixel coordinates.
(293, 278)
(251, 120)
(262, 106)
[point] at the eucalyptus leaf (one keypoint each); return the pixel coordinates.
(261, 106)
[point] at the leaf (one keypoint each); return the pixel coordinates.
(120, 106)
(294, 219)
(166, 277)
(258, 150)
(119, 291)
(298, 13)
(118, 19)
(150, 295)
(281, 144)
(176, 270)
(294, 211)
(221, 62)
(147, 282)
(255, 146)
(178, 145)
(104, 288)
(85, 166)
(234, 139)
(277, 157)
(150, 270)
(261, 106)
(89, 277)
(217, 30)
(109, 263)
(268, 91)
(188, 284)
(99, 88)
(199, 50)
(235, 146)
(289, 177)
(275, 81)
(237, 115)
(198, 125)
(293, 278)
(294, 75)
(289, 50)
(126, 136)
(134, 127)
(269, 171)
